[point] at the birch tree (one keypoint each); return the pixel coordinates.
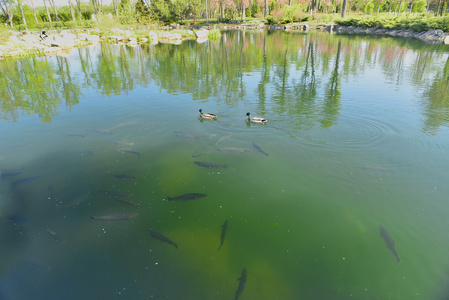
(6, 6)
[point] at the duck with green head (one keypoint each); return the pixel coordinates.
(208, 116)
(256, 119)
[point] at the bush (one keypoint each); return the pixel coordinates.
(276, 17)
(214, 33)
(71, 24)
(20, 27)
(4, 31)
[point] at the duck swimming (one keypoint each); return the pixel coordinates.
(256, 119)
(208, 116)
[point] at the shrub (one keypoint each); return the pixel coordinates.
(275, 17)
(71, 24)
(214, 33)
(20, 27)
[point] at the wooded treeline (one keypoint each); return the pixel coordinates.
(22, 14)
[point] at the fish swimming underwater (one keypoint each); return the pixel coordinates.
(163, 238)
(116, 217)
(55, 236)
(123, 176)
(389, 241)
(100, 131)
(209, 165)
(131, 151)
(258, 148)
(242, 284)
(24, 180)
(235, 150)
(188, 196)
(224, 229)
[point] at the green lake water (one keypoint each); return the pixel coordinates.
(357, 139)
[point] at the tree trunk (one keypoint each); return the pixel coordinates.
(52, 2)
(48, 13)
(207, 11)
(313, 8)
(115, 2)
(222, 9)
(72, 12)
(34, 11)
(265, 12)
(378, 8)
(78, 3)
(243, 11)
(400, 6)
(24, 21)
(8, 12)
(364, 14)
(343, 9)
(410, 11)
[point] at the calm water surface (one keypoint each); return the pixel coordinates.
(357, 138)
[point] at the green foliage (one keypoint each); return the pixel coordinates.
(420, 6)
(71, 24)
(105, 21)
(292, 13)
(126, 12)
(214, 33)
(195, 8)
(369, 8)
(160, 11)
(142, 12)
(415, 23)
(180, 9)
(87, 15)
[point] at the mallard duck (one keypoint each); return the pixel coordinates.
(256, 119)
(207, 115)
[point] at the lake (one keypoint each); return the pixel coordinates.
(342, 194)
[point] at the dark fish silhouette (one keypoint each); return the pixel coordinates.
(123, 176)
(10, 174)
(224, 228)
(24, 180)
(74, 134)
(16, 219)
(126, 201)
(55, 236)
(189, 196)
(242, 284)
(389, 241)
(101, 131)
(209, 165)
(258, 148)
(156, 235)
(116, 217)
(129, 151)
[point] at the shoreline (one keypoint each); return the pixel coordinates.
(22, 44)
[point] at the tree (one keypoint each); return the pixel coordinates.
(343, 9)
(379, 2)
(160, 10)
(72, 12)
(142, 11)
(96, 4)
(195, 8)
(48, 13)
(7, 9)
(127, 12)
(34, 10)
(52, 2)
(20, 5)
